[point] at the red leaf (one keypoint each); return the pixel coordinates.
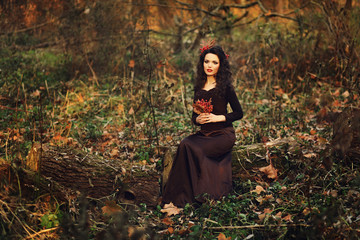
(287, 218)
(167, 221)
(274, 60)
(131, 63)
(222, 236)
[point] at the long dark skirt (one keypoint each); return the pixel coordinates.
(201, 168)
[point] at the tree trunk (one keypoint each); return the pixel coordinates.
(346, 135)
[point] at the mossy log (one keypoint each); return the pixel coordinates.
(74, 170)
(65, 171)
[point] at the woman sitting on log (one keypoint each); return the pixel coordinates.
(202, 165)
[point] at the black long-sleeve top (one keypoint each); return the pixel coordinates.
(219, 108)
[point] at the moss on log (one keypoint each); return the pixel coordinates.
(77, 171)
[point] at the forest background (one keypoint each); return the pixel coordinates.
(113, 79)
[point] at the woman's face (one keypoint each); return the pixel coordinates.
(211, 64)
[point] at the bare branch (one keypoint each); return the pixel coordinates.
(159, 5)
(242, 6)
(241, 17)
(262, 6)
(29, 28)
(279, 16)
(194, 8)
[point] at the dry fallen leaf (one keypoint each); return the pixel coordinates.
(190, 224)
(267, 210)
(80, 98)
(336, 103)
(310, 155)
(114, 152)
(312, 131)
(222, 236)
(110, 208)
(169, 138)
(269, 171)
(274, 60)
(36, 93)
(258, 189)
(171, 209)
(131, 111)
(306, 211)
(170, 230)
(262, 199)
(337, 92)
(287, 218)
(345, 94)
(120, 108)
(262, 215)
(167, 221)
(183, 231)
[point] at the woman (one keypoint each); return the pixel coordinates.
(202, 166)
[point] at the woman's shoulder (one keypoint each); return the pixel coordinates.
(230, 87)
(229, 90)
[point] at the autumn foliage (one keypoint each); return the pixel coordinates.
(113, 79)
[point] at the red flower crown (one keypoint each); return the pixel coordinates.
(208, 45)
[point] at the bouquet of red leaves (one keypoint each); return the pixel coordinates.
(203, 106)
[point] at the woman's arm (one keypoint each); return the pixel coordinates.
(194, 118)
(195, 115)
(237, 112)
(209, 117)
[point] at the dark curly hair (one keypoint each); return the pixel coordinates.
(223, 76)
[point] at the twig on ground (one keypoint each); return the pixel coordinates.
(24, 225)
(41, 232)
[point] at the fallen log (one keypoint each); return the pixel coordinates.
(73, 170)
(66, 171)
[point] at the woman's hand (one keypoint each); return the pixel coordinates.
(209, 118)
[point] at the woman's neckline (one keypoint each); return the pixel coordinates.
(208, 90)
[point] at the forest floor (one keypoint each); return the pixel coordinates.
(308, 195)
